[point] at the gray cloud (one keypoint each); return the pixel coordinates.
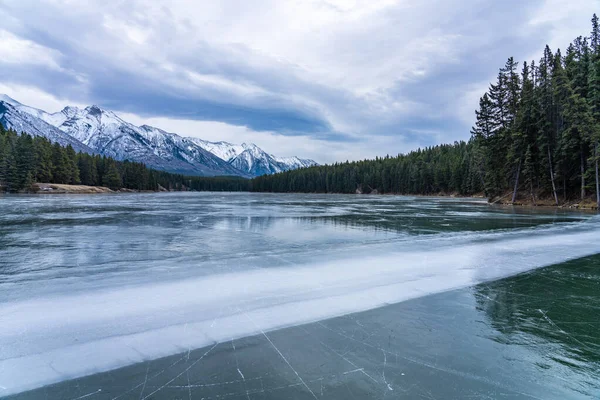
(317, 69)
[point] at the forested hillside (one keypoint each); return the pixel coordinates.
(536, 136)
(539, 128)
(439, 169)
(25, 159)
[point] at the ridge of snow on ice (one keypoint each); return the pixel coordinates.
(157, 319)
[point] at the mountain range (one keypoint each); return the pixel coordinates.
(95, 130)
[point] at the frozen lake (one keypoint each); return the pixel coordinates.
(212, 295)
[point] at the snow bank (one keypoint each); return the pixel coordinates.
(48, 340)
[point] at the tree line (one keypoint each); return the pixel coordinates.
(536, 135)
(433, 170)
(26, 159)
(539, 127)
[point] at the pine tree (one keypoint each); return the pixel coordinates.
(521, 129)
(529, 171)
(594, 98)
(10, 173)
(88, 173)
(72, 167)
(3, 157)
(24, 159)
(43, 160)
(492, 182)
(579, 129)
(561, 93)
(546, 138)
(112, 178)
(495, 120)
(595, 35)
(3, 149)
(62, 167)
(513, 89)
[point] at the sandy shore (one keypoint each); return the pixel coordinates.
(55, 188)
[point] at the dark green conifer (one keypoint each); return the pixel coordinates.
(112, 177)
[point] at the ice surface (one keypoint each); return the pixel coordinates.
(74, 333)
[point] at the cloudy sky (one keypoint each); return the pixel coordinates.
(326, 79)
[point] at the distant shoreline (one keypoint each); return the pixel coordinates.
(589, 203)
(56, 188)
(61, 188)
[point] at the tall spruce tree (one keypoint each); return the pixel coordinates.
(594, 98)
(72, 167)
(112, 178)
(43, 160)
(24, 158)
(544, 97)
(3, 157)
(61, 164)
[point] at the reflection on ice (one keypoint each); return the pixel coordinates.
(481, 342)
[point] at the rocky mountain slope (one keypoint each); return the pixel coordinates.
(252, 159)
(96, 130)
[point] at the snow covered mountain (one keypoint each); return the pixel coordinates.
(22, 118)
(256, 161)
(295, 162)
(95, 130)
(110, 135)
(252, 159)
(224, 150)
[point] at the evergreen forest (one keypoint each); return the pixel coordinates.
(25, 159)
(535, 137)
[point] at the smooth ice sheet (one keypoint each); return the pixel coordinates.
(61, 336)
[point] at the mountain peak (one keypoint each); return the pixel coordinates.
(97, 130)
(70, 111)
(94, 110)
(254, 150)
(103, 116)
(150, 128)
(6, 98)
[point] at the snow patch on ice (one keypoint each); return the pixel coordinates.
(52, 339)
